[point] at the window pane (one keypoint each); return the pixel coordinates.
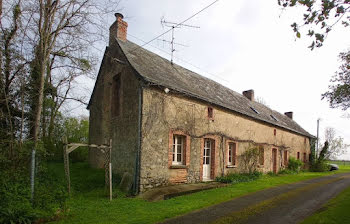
(207, 160)
(179, 157)
(179, 140)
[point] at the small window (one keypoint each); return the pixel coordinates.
(210, 113)
(253, 109)
(304, 157)
(285, 158)
(261, 155)
(298, 155)
(274, 132)
(273, 117)
(232, 154)
(116, 96)
(178, 149)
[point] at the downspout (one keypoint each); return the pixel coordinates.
(138, 150)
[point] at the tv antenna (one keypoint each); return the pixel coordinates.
(173, 26)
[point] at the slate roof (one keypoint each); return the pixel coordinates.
(160, 71)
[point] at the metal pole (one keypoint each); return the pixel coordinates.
(318, 125)
(110, 170)
(110, 181)
(32, 176)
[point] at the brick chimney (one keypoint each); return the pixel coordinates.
(289, 114)
(118, 29)
(249, 94)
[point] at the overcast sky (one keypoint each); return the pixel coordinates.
(248, 45)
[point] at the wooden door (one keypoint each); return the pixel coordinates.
(208, 147)
(274, 160)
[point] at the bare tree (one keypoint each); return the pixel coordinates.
(336, 145)
(45, 45)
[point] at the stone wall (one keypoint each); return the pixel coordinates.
(121, 128)
(164, 113)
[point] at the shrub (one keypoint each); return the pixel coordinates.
(239, 178)
(286, 171)
(250, 158)
(272, 174)
(294, 164)
(16, 206)
(320, 166)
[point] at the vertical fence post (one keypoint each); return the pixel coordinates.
(32, 176)
(110, 170)
(66, 162)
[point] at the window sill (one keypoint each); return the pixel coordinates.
(178, 167)
(231, 166)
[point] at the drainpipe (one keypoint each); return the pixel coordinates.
(138, 150)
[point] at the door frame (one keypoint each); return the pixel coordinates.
(274, 160)
(213, 156)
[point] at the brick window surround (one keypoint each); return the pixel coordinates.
(214, 164)
(185, 151)
(210, 113)
(233, 162)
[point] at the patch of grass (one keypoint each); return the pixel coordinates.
(92, 206)
(335, 211)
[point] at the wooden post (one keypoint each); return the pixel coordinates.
(66, 162)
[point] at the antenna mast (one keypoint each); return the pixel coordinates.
(173, 26)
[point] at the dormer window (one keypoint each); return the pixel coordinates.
(273, 117)
(253, 109)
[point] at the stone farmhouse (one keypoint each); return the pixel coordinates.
(170, 125)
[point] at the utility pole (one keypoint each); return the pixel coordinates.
(318, 127)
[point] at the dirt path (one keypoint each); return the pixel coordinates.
(285, 204)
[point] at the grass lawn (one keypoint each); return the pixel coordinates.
(335, 211)
(89, 203)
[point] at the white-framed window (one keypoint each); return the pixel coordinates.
(178, 149)
(231, 153)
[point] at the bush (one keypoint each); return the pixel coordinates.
(320, 166)
(294, 164)
(286, 171)
(50, 196)
(239, 178)
(15, 199)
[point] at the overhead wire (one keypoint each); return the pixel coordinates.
(175, 26)
(183, 60)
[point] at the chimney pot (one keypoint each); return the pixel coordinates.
(118, 29)
(249, 94)
(118, 15)
(289, 114)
